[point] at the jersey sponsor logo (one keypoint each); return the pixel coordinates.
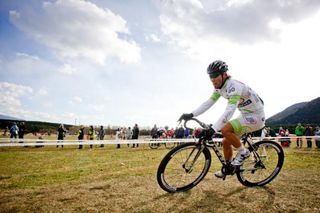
(231, 89)
(250, 120)
(245, 103)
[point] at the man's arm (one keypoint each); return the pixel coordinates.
(207, 104)
(228, 113)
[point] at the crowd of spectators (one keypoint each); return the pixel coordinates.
(17, 130)
(299, 131)
(178, 132)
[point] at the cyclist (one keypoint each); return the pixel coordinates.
(239, 96)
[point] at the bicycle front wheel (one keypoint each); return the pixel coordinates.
(263, 165)
(154, 145)
(183, 167)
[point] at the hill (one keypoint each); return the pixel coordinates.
(305, 112)
(9, 118)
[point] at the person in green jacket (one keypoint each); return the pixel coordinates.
(91, 135)
(299, 131)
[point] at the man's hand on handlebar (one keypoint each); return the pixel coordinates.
(210, 132)
(185, 116)
(207, 133)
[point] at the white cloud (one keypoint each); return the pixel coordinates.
(25, 55)
(41, 116)
(99, 108)
(76, 29)
(153, 38)
(10, 94)
(67, 69)
(10, 104)
(42, 91)
(77, 99)
(186, 22)
(26, 66)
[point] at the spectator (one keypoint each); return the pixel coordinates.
(81, 136)
(287, 133)
(170, 133)
(129, 134)
(285, 142)
(162, 132)
(91, 135)
(14, 130)
(299, 130)
(21, 131)
(197, 132)
(135, 134)
(118, 135)
(61, 134)
(317, 139)
(308, 132)
(180, 132)
(123, 133)
(154, 132)
(281, 132)
(101, 135)
(186, 133)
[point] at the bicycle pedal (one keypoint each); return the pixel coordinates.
(224, 178)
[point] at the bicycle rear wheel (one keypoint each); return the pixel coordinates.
(169, 145)
(183, 167)
(261, 168)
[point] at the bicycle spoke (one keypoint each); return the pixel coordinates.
(184, 167)
(263, 167)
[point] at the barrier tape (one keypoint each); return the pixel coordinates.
(41, 142)
(7, 142)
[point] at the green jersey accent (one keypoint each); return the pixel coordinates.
(234, 99)
(239, 96)
(215, 96)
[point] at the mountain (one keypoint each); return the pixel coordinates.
(9, 118)
(305, 112)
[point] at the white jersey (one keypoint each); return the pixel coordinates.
(239, 96)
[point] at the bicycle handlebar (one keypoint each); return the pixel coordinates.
(203, 125)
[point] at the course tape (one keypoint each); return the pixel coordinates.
(7, 142)
(37, 142)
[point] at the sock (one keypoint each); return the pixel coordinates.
(241, 149)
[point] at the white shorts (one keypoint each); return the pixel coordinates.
(247, 123)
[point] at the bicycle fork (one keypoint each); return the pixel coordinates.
(188, 167)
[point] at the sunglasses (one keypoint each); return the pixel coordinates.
(214, 75)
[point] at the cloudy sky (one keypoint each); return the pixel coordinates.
(124, 62)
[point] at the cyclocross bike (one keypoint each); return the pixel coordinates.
(168, 145)
(186, 165)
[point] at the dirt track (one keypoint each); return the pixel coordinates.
(296, 189)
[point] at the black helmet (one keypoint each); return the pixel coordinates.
(216, 68)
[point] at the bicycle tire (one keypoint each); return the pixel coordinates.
(169, 145)
(154, 145)
(259, 173)
(172, 175)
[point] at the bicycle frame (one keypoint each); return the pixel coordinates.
(210, 143)
(186, 165)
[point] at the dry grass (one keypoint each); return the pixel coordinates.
(123, 180)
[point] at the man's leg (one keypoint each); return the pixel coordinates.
(227, 150)
(231, 139)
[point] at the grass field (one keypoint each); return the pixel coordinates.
(107, 179)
